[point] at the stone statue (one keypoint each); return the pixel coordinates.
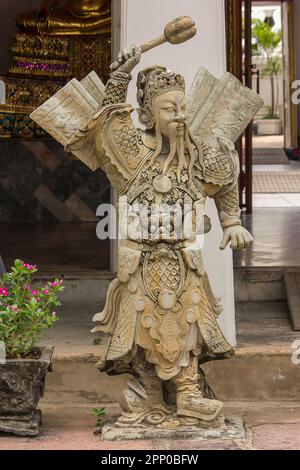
(160, 311)
(71, 17)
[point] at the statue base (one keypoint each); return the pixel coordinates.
(24, 425)
(230, 428)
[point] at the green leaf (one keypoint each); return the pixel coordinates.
(99, 412)
(18, 263)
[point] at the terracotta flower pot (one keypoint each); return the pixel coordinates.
(22, 384)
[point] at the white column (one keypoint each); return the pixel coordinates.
(297, 50)
(142, 20)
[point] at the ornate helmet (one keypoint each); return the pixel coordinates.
(155, 80)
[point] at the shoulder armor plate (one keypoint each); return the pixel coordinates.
(121, 142)
(219, 166)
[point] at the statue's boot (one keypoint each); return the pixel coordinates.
(143, 400)
(189, 397)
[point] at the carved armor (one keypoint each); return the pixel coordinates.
(162, 300)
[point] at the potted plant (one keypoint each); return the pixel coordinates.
(266, 45)
(25, 312)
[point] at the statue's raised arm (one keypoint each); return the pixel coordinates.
(111, 132)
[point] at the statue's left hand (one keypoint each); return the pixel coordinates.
(239, 237)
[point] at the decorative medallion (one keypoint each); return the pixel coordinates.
(162, 184)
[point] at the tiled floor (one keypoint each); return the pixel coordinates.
(276, 232)
(269, 156)
(282, 199)
(276, 200)
(294, 166)
(276, 182)
(261, 141)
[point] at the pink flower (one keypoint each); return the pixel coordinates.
(14, 308)
(28, 266)
(33, 292)
(4, 292)
(46, 291)
(53, 314)
(56, 283)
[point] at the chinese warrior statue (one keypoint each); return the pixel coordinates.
(160, 311)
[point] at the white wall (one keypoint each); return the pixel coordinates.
(142, 20)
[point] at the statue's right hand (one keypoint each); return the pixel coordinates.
(127, 59)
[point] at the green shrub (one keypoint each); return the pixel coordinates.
(25, 311)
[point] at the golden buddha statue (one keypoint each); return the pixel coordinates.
(68, 18)
(61, 40)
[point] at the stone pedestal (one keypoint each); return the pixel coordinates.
(230, 428)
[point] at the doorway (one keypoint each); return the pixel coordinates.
(260, 48)
(260, 52)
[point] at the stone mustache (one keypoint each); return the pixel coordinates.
(160, 312)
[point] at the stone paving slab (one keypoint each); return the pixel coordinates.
(276, 436)
(271, 426)
(82, 440)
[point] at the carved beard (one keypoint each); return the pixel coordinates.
(178, 144)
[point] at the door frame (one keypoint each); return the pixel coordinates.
(289, 76)
(234, 18)
(234, 52)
